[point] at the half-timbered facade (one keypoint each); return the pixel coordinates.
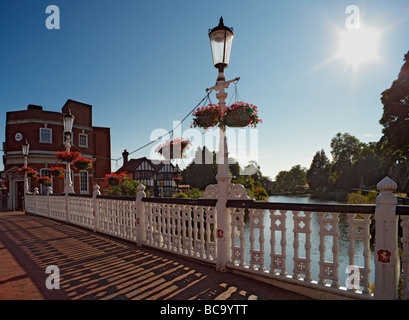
(158, 178)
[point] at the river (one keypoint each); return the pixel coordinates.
(343, 241)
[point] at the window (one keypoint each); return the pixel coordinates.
(45, 173)
(67, 135)
(83, 140)
(84, 181)
(46, 135)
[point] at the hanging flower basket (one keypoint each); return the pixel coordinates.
(173, 149)
(67, 156)
(44, 180)
(83, 163)
(206, 117)
(241, 114)
(57, 172)
(114, 179)
(31, 173)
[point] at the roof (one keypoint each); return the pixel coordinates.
(132, 164)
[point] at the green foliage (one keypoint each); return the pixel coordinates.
(127, 188)
(395, 119)
(291, 181)
(180, 195)
(359, 198)
(318, 173)
(194, 193)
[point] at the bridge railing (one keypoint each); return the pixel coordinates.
(267, 241)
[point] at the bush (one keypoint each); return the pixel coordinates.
(180, 195)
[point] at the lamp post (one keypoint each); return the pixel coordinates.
(221, 38)
(25, 149)
(68, 120)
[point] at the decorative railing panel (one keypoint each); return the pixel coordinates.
(116, 217)
(42, 205)
(80, 211)
(58, 207)
(181, 228)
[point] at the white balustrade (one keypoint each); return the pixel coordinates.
(183, 229)
(259, 235)
(278, 228)
(359, 229)
(81, 211)
(57, 207)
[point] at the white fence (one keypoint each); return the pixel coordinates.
(191, 228)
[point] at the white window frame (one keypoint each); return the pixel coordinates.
(51, 135)
(81, 182)
(86, 140)
(44, 188)
(65, 137)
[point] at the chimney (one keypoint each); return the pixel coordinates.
(125, 155)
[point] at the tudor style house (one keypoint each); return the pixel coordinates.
(158, 178)
(43, 130)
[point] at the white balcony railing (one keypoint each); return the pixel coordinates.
(279, 243)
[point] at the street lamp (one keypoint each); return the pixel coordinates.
(68, 120)
(221, 39)
(25, 149)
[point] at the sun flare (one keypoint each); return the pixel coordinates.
(358, 46)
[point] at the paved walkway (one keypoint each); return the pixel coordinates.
(97, 267)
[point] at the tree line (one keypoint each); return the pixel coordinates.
(356, 164)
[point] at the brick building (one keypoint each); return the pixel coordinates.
(43, 130)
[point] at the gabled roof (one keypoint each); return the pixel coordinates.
(133, 164)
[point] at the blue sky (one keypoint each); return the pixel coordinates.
(144, 64)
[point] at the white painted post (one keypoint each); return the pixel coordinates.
(49, 191)
(140, 215)
(387, 263)
(95, 194)
(35, 200)
(67, 208)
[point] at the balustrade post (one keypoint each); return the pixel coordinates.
(140, 216)
(95, 213)
(223, 222)
(67, 208)
(387, 262)
(35, 200)
(49, 191)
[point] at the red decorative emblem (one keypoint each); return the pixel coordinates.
(220, 233)
(138, 221)
(384, 256)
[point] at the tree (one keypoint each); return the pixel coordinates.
(202, 170)
(318, 173)
(395, 118)
(345, 150)
(290, 181)
(127, 188)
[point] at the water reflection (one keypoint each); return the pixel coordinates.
(343, 241)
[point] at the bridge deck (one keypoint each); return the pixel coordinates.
(97, 267)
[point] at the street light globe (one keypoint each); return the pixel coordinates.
(26, 148)
(68, 121)
(221, 39)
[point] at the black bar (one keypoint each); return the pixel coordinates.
(339, 208)
(402, 210)
(194, 202)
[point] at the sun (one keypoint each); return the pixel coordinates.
(358, 46)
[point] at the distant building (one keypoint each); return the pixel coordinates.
(158, 178)
(43, 130)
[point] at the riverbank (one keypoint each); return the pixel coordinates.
(337, 196)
